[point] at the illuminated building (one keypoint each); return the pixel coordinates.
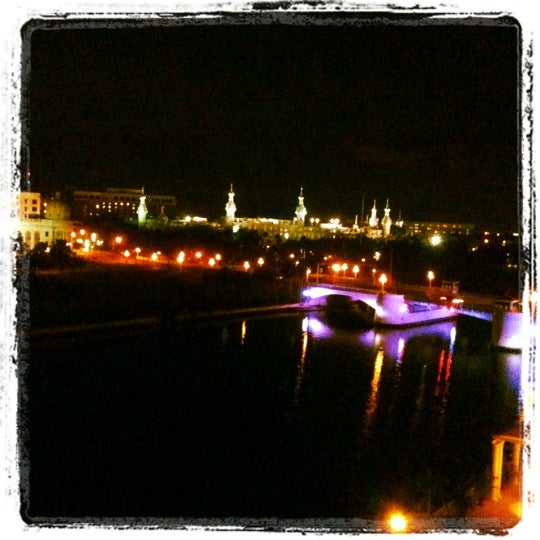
(43, 220)
(428, 228)
(272, 227)
(29, 205)
(119, 201)
(375, 230)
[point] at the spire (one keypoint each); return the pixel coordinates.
(386, 221)
(373, 221)
(142, 211)
(301, 210)
(230, 207)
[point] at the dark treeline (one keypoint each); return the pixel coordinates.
(123, 293)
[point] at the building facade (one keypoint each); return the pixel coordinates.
(286, 229)
(426, 228)
(29, 205)
(119, 201)
(42, 220)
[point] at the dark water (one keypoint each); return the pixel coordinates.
(267, 417)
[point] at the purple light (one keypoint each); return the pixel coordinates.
(317, 328)
(316, 292)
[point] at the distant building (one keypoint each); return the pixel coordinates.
(119, 201)
(29, 204)
(374, 229)
(42, 220)
(425, 228)
(284, 228)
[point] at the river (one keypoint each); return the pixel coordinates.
(280, 417)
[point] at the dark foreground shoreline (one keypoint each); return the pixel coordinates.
(106, 296)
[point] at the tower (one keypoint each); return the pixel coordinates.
(386, 221)
(373, 221)
(142, 211)
(230, 207)
(301, 210)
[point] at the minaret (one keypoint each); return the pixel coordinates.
(373, 221)
(301, 210)
(142, 211)
(386, 221)
(230, 207)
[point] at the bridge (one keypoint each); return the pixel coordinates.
(391, 309)
(316, 294)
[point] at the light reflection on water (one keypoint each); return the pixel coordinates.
(285, 416)
(425, 381)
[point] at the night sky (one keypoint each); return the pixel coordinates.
(424, 115)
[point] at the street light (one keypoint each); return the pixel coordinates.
(430, 276)
(435, 240)
(308, 271)
(246, 265)
(336, 267)
(383, 279)
(355, 270)
(344, 267)
(398, 523)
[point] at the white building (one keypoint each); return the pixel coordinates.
(272, 227)
(54, 225)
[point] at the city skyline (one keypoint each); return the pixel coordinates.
(423, 115)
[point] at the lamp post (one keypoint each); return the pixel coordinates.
(308, 271)
(181, 258)
(430, 276)
(355, 270)
(383, 279)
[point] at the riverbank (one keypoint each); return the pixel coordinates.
(156, 322)
(137, 295)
